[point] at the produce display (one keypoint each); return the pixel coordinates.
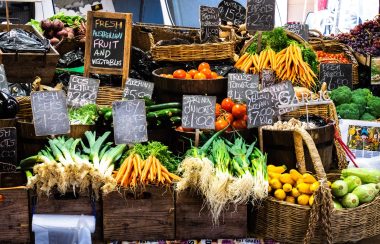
(359, 104)
(203, 72)
(325, 57)
(85, 115)
(231, 115)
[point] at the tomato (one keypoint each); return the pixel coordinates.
(203, 65)
(179, 74)
(188, 77)
(239, 110)
(199, 76)
(220, 124)
(207, 73)
(239, 124)
(192, 72)
(227, 116)
(227, 104)
(218, 107)
(214, 75)
(246, 117)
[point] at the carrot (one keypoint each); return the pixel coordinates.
(174, 177)
(241, 60)
(127, 172)
(122, 169)
(152, 169)
(135, 165)
(146, 168)
(159, 171)
(167, 178)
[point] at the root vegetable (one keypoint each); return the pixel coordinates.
(46, 25)
(54, 41)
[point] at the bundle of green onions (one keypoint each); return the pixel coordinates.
(65, 165)
(225, 173)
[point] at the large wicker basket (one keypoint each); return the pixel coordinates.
(331, 46)
(108, 94)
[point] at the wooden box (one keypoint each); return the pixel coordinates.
(143, 214)
(14, 216)
(193, 220)
(12, 179)
(23, 67)
(70, 205)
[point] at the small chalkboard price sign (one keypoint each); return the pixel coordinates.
(300, 29)
(130, 124)
(209, 18)
(336, 75)
(281, 93)
(3, 80)
(260, 15)
(108, 43)
(8, 146)
(50, 113)
(268, 78)
(82, 91)
(241, 86)
(260, 109)
(198, 112)
(232, 11)
(135, 89)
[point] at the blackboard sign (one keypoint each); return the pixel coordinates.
(336, 75)
(260, 15)
(3, 80)
(299, 29)
(135, 89)
(232, 11)
(82, 91)
(108, 43)
(50, 113)
(8, 146)
(209, 18)
(282, 93)
(242, 86)
(198, 112)
(260, 109)
(129, 121)
(268, 78)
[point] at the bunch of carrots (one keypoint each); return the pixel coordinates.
(288, 65)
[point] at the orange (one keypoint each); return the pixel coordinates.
(192, 72)
(203, 65)
(200, 76)
(188, 77)
(179, 74)
(207, 73)
(214, 75)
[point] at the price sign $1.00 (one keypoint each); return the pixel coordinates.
(198, 112)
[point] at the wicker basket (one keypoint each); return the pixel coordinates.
(331, 46)
(193, 52)
(25, 108)
(108, 94)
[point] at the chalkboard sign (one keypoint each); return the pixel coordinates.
(260, 15)
(198, 112)
(108, 43)
(8, 146)
(209, 18)
(129, 121)
(82, 91)
(336, 75)
(232, 11)
(242, 86)
(135, 89)
(268, 78)
(260, 109)
(281, 93)
(3, 80)
(299, 29)
(50, 113)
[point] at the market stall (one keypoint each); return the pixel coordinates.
(241, 131)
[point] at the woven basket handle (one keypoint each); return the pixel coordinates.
(151, 40)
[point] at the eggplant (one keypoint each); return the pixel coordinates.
(8, 106)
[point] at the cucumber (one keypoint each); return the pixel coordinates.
(162, 106)
(175, 120)
(164, 113)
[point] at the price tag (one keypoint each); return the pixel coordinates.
(232, 11)
(209, 18)
(268, 78)
(260, 15)
(8, 148)
(129, 121)
(50, 113)
(299, 29)
(260, 109)
(3, 80)
(135, 89)
(198, 112)
(82, 91)
(242, 86)
(282, 94)
(336, 75)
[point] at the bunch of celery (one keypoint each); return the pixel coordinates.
(71, 164)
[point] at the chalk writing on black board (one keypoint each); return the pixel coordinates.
(260, 109)
(232, 11)
(336, 75)
(8, 145)
(260, 15)
(135, 89)
(282, 93)
(198, 112)
(82, 91)
(242, 86)
(299, 29)
(209, 18)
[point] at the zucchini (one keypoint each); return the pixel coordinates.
(163, 106)
(175, 120)
(164, 113)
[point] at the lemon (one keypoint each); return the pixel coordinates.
(287, 187)
(280, 194)
(311, 200)
(290, 199)
(314, 186)
(295, 192)
(275, 184)
(303, 199)
(304, 188)
(286, 178)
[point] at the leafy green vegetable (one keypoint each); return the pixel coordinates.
(361, 101)
(309, 56)
(85, 115)
(373, 106)
(341, 95)
(72, 21)
(348, 111)
(35, 24)
(368, 117)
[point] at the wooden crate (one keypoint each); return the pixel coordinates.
(12, 179)
(68, 205)
(23, 67)
(194, 222)
(146, 214)
(14, 216)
